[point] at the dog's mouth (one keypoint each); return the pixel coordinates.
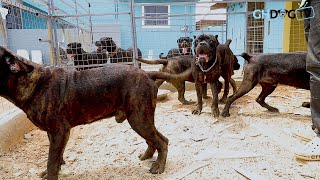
(71, 56)
(203, 56)
(185, 50)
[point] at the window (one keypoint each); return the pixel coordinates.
(13, 17)
(156, 15)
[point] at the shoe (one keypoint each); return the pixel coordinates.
(311, 151)
(305, 134)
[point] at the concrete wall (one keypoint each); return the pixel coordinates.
(13, 126)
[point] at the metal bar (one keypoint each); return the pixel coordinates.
(97, 14)
(55, 35)
(183, 15)
(246, 30)
(133, 33)
(77, 20)
(50, 35)
(203, 2)
(64, 2)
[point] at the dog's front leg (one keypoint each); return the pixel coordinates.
(199, 89)
(58, 141)
(214, 106)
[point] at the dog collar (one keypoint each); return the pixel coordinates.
(200, 66)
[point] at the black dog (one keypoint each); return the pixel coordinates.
(213, 60)
(184, 48)
(56, 100)
(116, 53)
(269, 70)
(83, 58)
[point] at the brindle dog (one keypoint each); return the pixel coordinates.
(116, 53)
(269, 70)
(184, 48)
(81, 57)
(177, 65)
(56, 100)
(213, 60)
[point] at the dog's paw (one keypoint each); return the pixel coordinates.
(306, 104)
(225, 114)
(156, 168)
(222, 100)
(187, 102)
(43, 174)
(215, 112)
(206, 97)
(196, 112)
(145, 156)
(272, 109)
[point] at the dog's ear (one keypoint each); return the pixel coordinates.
(15, 63)
(216, 36)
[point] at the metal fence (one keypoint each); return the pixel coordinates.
(89, 33)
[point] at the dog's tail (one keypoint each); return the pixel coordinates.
(228, 42)
(154, 75)
(236, 65)
(246, 56)
(158, 61)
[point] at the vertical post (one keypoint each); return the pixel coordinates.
(246, 27)
(90, 21)
(133, 33)
(49, 23)
(77, 28)
(55, 36)
(3, 27)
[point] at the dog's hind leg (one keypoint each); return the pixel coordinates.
(181, 87)
(234, 86)
(226, 90)
(199, 89)
(155, 140)
(58, 141)
(159, 82)
(267, 89)
(246, 86)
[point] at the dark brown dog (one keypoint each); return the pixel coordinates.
(213, 60)
(116, 53)
(177, 65)
(269, 70)
(83, 58)
(56, 100)
(184, 48)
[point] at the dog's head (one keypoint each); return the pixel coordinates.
(205, 47)
(106, 43)
(11, 66)
(185, 44)
(74, 49)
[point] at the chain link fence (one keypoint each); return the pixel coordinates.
(84, 34)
